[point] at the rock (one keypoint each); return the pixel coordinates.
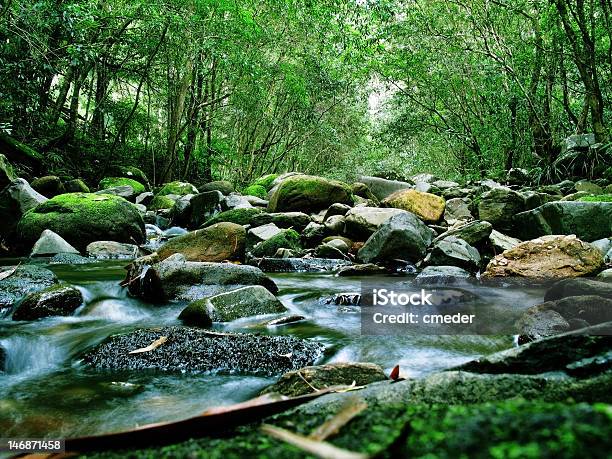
(428, 207)
(192, 349)
(381, 188)
(256, 190)
(235, 201)
(50, 244)
(244, 302)
(499, 206)
(579, 142)
(266, 181)
(335, 224)
(589, 221)
(363, 191)
(501, 242)
(126, 192)
(533, 199)
(517, 176)
(48, 186)
(577, 287)
(454, 252)
(222, 186)
(162, 203)
(240, 216)
(336, 209)
(569, 197)
(294, 220)
(111, 250)
(7, 173)
(177, 188)
(82, 218)
(204, 206)
(180, 214)
(474, 233)
(219, 242)
(538, 324)
(548, 257)
(145, 198)
(58, 300)
(362, 222)
(313, 234)
(366, 269)
(588, 187)
(299, 265)
(76, 186)
(285, 320)
(261, 233)
(15, 200)
(257, 202)
(178, 279)
(305, 193)
(69, 259)
(445, 184)
(457, 209)
(606, 275)
(402, 237)
(196, 314)
(133, 173)
(23, 280)
(302, 381)
(442, 275)
(116, 182)
(603, 245)
(284, 239)
(336, 248)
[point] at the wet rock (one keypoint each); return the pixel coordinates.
(58, 300)
(457, 209)
(367, 269)
(305, 193)
(236, 304)
(302, 381)
(23, 280)
(50, 244)
(192, 349)
(362, 222)
(69, 259)
(499, 206)
(605, 275)
(344, 299)
(589, 221)
(219, 242)
(298, 265)
(294, 220)
(474, 233)
(177, 278)
(428, 207)
(180, 214)
(403, 237)
(547, 257)
(204, 206)
(15, 200)
(454, 252)
(111, 250)
(286, 320)
(48, 186)
(501, 242)
(239, 216)
(578, 287)
(284, 239)
(591, 365)
(222, 186)
(82, 218)
(442, 275)
(2, 359)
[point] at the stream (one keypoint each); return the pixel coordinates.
(47, 392)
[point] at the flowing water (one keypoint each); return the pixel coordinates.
(47, 392)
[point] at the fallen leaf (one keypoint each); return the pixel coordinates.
(394, 373)
(154, 345)
(8, 273)
(350, 408)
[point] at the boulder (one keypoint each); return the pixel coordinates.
(445, 184)
(428, 207)
(548, 257)
(114, 182)
(534, 199)
(588, 187)
(336, 248)
(23, 279)
(76, 186)
(50, 244)
(294, 220)
(15, 200)
(204, 206)
(164, 202)
(457, 209)
(589, 221)
(266, 181)
(302, 381)
(454, 252)
(366, 269)
(222, 186)
(499, 206)
(7, 173)
(381, 188)
(336, 209)
(501, 242)
(175, 278)
(82, 218)
(219, 242)
(362, 222)
(363, 191)
(48, 186)
(284, 239)
(239, 216)
(193, 349)
(244, 302)
(177, 188)
(313, 234)
(517, 176)
(577, 287)
(537, 324)
(180, 214)
(125, 191)
(442, 275)
(403, 237)
(305, 193)
(235, 201)
(474, 233)
(58, 300)
(335, 224)
(261, 233)
(257, 191)
(111, 250)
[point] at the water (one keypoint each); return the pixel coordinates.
(47, 392)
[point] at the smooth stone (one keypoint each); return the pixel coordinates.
(50, 244)
(442, 275)
(58, 300)
(111, 250)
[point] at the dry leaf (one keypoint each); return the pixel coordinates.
(9, 273)
(350, 408)
(154, 345)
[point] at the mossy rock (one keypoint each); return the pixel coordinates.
(177, 188)
(48, 186)
(428, 207)
(265, 181)
(82, 218)
(111, 182)
(133, 173)
(222, 186)
(58, 300)
(241, 216)
(7, 173)
(76, 186)
(161, 203)
(306, 193)
(597, 198)
(286, 239)
(255, 190)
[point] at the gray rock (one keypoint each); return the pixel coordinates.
(501, 242)
(605, 275)
(367, 269)
(15, 200)
(457, 209)
(313, 234)
(23, 279)
(589, 221)
(445, 184)
(50, 244)
(336, 248)
(538, 324)
(204, 206)
(57, 300)
(7, 173)
(295, 220)
(180, 214)
(403, 237)
(381, 188)
(335, 224)
(517, 176)
(336, 209)
(235, 201)
(454, 252)
(499, 206)
(257, 202)
(123, 191)
(534, 199)
(261, 233)
(603, 245)
(578, 287)
(302, 265)
(362, 222)
(442, 275)
(578, 142)
(145, 198)
(473, 233)
(109, 250)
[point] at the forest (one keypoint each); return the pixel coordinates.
(220, 89)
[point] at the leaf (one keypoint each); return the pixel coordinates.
(154, 345)
(320, 449)
(350, 408)
(8, 273)
(394, 373)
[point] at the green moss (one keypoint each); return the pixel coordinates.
(309, 194)
(178, 188)
(255, 190)
(110, 182)
(596, 198)
(265, 181)
(238, 216)
(286, 239)
(160, 202)
(133, 173)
